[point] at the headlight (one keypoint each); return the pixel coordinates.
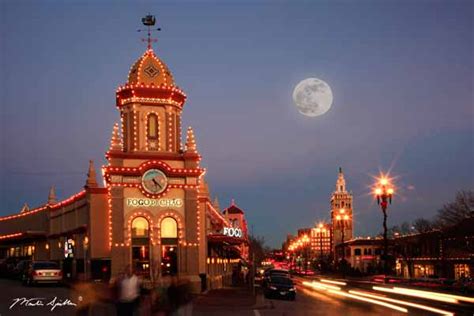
(272, 288)
(292, 289)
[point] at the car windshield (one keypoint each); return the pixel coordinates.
(280, 280)
(45, 265)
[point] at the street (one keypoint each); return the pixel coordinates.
(228, 301)
(310, 302)
(307, 303)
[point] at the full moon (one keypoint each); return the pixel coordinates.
(312, 97)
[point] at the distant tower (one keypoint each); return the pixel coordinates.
(341, 199)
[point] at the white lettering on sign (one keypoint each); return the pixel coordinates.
(135, 202)
(233, 232)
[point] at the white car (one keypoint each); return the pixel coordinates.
(44, 272)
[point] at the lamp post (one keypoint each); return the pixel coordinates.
(305, 241)
(384, 193)
(86, 247)
(342, 217)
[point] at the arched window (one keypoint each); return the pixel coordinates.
(169, 228)
(152, 126)
(140, 228)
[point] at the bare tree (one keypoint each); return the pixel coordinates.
(455, 212)
(257, 246)
(422, 225)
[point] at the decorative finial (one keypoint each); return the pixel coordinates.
(190, 141)
(340, 170)
(232, 202)
(115, 141)
(216, 203)
(52, 196)
(149, 21)
(91, 177)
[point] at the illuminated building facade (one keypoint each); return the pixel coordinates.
(341, 212)
(363, 254)
(154, 210)
(321, 240)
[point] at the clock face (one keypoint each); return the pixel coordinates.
(154, 181)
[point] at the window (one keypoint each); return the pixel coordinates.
(152, 126)
(140, 228)
(377, 251)
(461, 271)
(140, 245)
(169, 228)
(357, 252)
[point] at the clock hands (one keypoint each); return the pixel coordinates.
(156, 183)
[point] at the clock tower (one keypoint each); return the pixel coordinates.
(341, 212)
(156, 217)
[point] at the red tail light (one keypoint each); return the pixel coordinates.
(60, 273)
(35, 272)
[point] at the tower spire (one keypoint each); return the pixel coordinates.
(216, 204)
(91, 181)
(115, 141)
(52, 196)
(25, 208)
(190, 141)
(341, 182)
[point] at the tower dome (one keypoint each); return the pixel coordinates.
(150, 82)
(150, 70)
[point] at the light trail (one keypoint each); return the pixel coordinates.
(422, 294)
(332, 287)
(369, 300)
(333, 282)
(321, 286)
(336, 290)
(420, 306)
(456, 297)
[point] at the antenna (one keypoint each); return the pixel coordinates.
(149, 21)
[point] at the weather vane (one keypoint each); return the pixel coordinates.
(149, 21)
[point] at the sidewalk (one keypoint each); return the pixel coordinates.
(225, 300)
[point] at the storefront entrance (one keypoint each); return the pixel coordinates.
(169, 260)
(169, 246)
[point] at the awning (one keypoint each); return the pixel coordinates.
(223, 239)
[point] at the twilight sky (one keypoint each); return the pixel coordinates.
(401, 73)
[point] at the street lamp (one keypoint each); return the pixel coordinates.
(304, 242)
(384, 193)
(86, 247)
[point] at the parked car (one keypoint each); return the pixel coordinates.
(43, 272)
(274, 272)
(279, 286)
